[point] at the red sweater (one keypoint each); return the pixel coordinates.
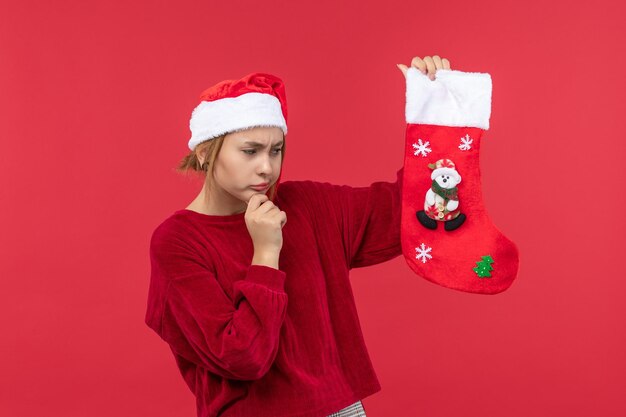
(255, 341)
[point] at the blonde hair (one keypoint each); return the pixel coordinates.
(209, 150)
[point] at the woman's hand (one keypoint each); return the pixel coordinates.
(265, 221)
(427, 65)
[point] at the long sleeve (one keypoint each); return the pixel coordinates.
(368, 218)
(236, 339)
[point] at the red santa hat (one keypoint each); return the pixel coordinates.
(444, 167)
(258, 99)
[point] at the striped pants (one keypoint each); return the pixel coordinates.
(354, 410)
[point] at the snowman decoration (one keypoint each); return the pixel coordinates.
(442, 200)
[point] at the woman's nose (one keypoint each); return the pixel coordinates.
(266, 166)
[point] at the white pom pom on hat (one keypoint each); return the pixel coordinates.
(258, 99)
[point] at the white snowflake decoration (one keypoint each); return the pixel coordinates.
(466, 143)
(422, 253)
(421, 148)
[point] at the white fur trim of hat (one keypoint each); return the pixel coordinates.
(211, 119)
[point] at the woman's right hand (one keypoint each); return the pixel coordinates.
(265, 222)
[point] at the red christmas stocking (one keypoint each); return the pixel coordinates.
(447, 235)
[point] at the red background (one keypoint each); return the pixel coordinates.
(95, 99)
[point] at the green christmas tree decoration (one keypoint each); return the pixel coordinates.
(483, 267)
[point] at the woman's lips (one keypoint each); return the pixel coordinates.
(259, 188)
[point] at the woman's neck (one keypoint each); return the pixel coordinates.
(203, 204)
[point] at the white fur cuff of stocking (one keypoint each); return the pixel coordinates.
(454, 98)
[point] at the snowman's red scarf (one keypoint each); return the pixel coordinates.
(448, 194)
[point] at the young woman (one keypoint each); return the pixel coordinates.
(257, 310)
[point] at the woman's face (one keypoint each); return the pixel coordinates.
(248, 158)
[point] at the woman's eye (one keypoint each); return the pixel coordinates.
(252, 151)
